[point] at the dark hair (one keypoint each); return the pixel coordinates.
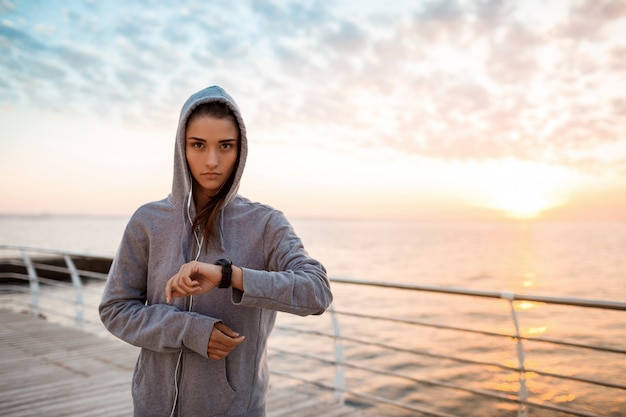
(206, 216)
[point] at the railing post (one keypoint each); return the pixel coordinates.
(78, 287)
(340, 382)
(33, 283)
(522, 410)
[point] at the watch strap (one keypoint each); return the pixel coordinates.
(227, 272)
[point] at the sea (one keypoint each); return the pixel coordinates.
(564, 260)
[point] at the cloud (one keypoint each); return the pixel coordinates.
(589, 19)
(502, 88)
(6, 5)
(79, 56)
(483, 79)
(347, 37)
(18, 38)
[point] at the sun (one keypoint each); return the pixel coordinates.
(523, 200)
(521, 189)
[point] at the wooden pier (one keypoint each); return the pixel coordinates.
(50, 370)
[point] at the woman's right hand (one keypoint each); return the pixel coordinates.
(193, 278)
(222, 341)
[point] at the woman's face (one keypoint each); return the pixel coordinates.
(211, 151)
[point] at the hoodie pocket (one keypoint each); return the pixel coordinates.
(205, 389)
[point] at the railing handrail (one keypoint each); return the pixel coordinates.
(61, 252)
(577, 302)
(340, 363)
(570, 301)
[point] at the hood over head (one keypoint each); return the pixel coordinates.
(182, 182)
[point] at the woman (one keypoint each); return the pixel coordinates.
(199, 277)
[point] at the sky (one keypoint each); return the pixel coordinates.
(427, 110)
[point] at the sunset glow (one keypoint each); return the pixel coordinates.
(523, 190)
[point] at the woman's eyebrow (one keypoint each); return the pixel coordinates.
(204, 140)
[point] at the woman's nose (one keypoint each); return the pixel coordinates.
(212, 158)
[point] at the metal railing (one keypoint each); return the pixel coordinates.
(34, 269)
(522, 399)
(38, 265)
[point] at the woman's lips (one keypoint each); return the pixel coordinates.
(211, 175)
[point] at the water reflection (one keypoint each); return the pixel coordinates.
(524, 256)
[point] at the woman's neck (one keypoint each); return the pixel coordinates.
(200, 198)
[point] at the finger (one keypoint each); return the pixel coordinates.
(174, 289)
(168, 291)
(226, 343)
(223, 341)
(189, 284)
(218, 340)
(226, 330)
(231, 343)
(237, 341)
(217, 356)
(217, 351)
(180, 286)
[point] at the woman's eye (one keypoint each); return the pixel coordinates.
(197, 145)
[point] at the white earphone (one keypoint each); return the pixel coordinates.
(199, 242)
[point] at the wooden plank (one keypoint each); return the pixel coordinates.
(47, 369)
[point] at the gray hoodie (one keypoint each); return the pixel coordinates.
(278, 275)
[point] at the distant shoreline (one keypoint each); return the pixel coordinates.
(43, 216)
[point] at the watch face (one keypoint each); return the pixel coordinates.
(223, 262)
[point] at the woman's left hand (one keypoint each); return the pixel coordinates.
(193, 278)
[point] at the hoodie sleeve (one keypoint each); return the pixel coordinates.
(295, 283)
(128, 312)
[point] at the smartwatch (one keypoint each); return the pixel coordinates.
(227, 272)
